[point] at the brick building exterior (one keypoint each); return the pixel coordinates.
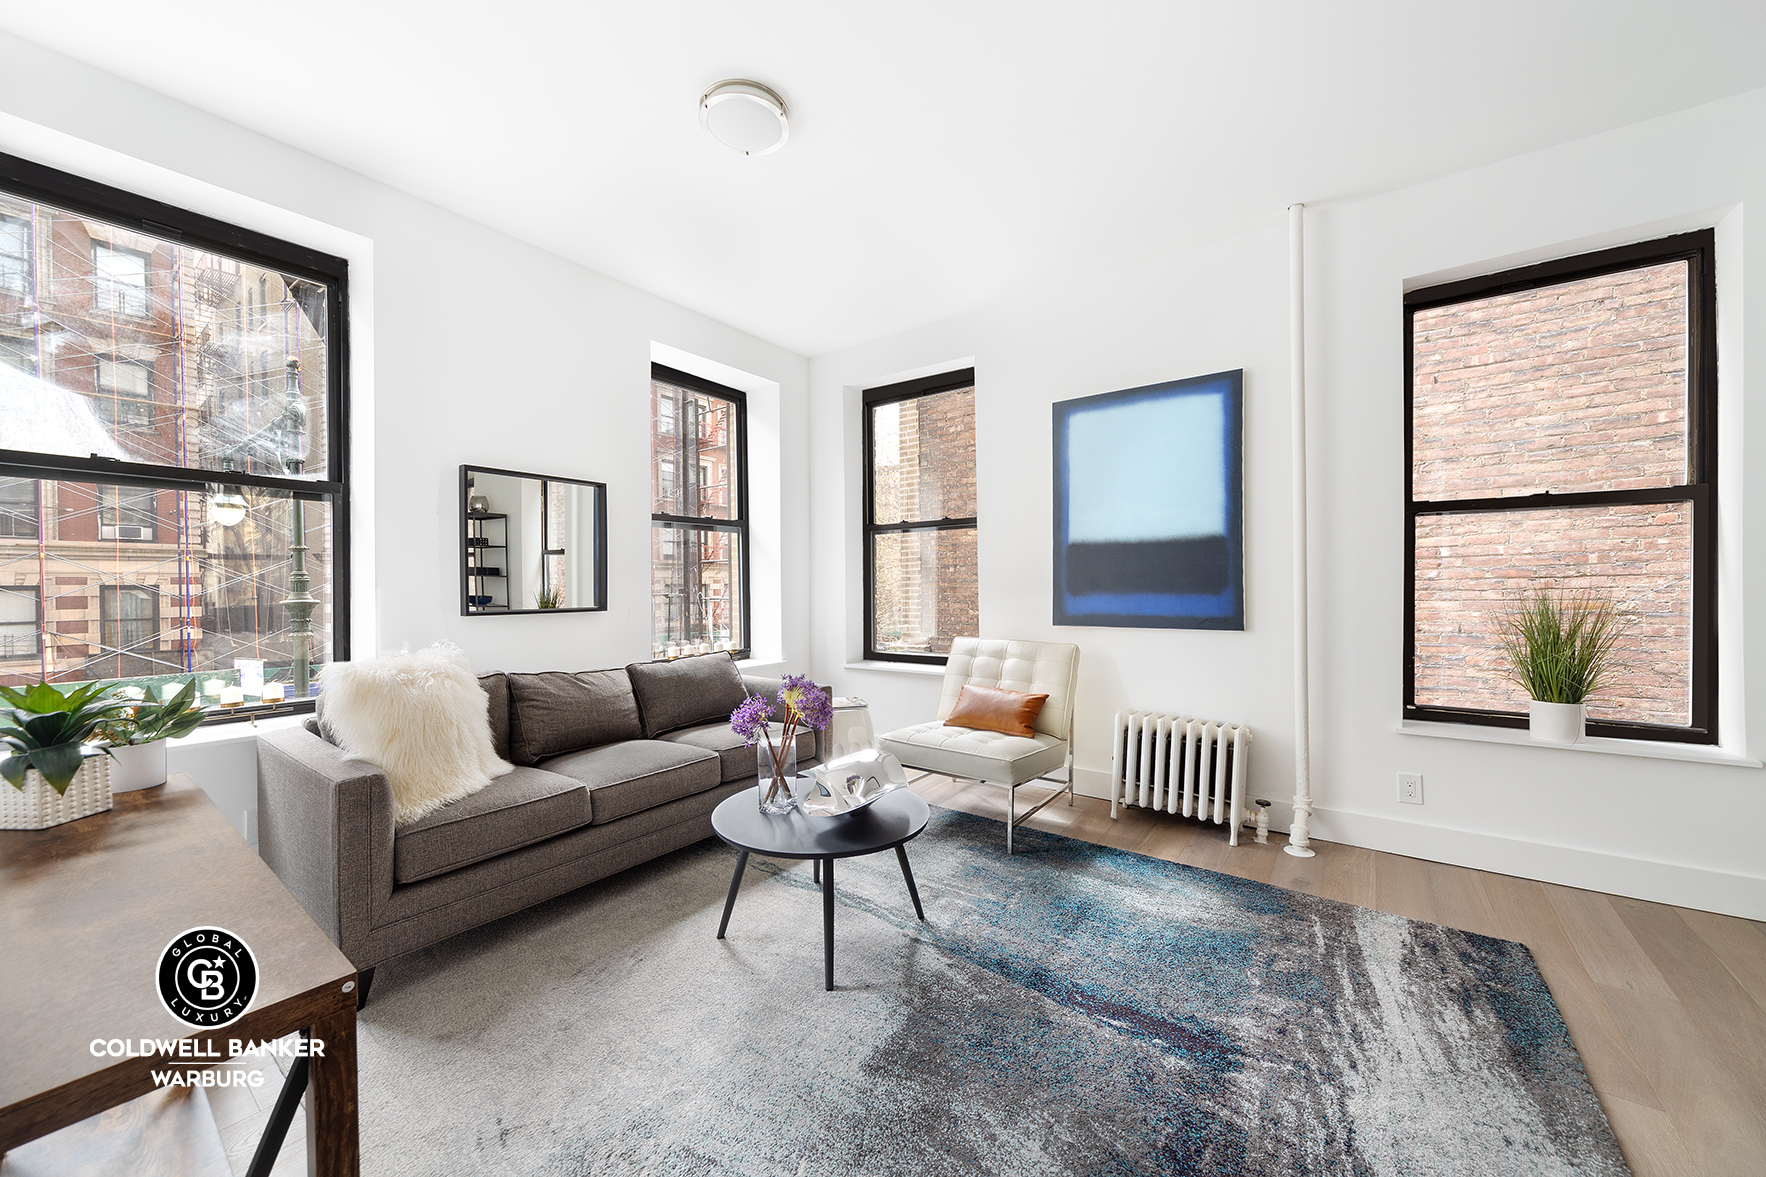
(1580, 386)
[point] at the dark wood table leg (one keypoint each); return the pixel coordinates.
(907, 872)
(735, 885)
(333, 1135)
(828, 920)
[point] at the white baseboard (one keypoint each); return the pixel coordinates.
(1571, 866)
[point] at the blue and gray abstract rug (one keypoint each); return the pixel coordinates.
(1072, 1009)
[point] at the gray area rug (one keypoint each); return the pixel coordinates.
(1072, 1009)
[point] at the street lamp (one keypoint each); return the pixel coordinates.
(294, 440)
(287, 437)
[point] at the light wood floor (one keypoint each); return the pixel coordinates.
(1666, 1005)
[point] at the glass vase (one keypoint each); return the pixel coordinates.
(778, 776)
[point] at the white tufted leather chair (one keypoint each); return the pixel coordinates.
(1037, 668)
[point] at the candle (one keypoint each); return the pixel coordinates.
(212, 686)
(272, 692)
(672, 652)
(232, 696)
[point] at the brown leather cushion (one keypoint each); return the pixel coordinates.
(991, 709)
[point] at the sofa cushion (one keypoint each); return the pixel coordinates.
(979, 755)
(516, 809)
(496, 686)
(736, 759)
(686, 692)
(634, 775)
(555, 712)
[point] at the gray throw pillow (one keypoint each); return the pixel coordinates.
(688, 691)
(554, 712)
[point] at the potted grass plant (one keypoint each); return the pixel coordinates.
(1560, 649)
(138, 735)
(48, 757)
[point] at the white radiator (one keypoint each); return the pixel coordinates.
(1176, 764)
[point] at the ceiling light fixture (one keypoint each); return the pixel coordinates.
(744, 116)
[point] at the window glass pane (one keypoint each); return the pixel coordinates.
(924, 590)
(696, 590)
(158, 586)
(129, 346)
(693, 454)
(1475, 567)
(15, 255)
(1581, 386)
(18, 622)
(923, 458)
(18, 508)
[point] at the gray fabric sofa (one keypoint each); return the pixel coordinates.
(613, 768)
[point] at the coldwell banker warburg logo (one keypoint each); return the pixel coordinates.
(207, 977)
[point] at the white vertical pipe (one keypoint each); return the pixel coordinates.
(1299, 831)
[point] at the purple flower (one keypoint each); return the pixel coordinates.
(806, 702)
(750, 719)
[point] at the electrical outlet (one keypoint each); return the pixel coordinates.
(1410, 788)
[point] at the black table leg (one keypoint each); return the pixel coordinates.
(828, 920)
(817, 864)
(735, 885)
(907, 872)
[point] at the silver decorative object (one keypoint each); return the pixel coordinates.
(850, 783)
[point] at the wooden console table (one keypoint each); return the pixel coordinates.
(85, 910)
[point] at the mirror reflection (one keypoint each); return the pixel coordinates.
(531, 543)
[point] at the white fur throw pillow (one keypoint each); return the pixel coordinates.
(422, 719)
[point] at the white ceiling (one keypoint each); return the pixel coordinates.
(942, 154)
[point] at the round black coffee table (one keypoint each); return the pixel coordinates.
(891, 821)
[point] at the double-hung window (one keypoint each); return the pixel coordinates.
(1562, 439)
(173, 499)
(125, 391)
(699, 515)
(921, 584)
(15, 255)
(119, 280)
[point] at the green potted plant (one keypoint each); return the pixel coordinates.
(137, 738)
(56, 773)
(1560, 649)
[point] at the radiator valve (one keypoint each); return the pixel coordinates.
(1262, 822)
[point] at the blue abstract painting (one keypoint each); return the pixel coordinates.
(1148, 517)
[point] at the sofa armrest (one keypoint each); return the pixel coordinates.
(769, 688)
(325, 827)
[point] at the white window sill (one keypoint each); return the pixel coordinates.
(898, 668)
(1651, 749)
(228, 733)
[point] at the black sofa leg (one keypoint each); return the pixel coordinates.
(364, 979)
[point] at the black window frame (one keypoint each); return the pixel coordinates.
(1698, 250)
(37, 183)
(738, 522)
(870, 399)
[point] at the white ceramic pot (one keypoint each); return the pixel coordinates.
(137, 766)
(38, 806)
(1555, 723)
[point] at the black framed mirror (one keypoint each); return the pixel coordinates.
(531, 543)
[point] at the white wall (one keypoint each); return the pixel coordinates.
(1662, 829)
(470, 347)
